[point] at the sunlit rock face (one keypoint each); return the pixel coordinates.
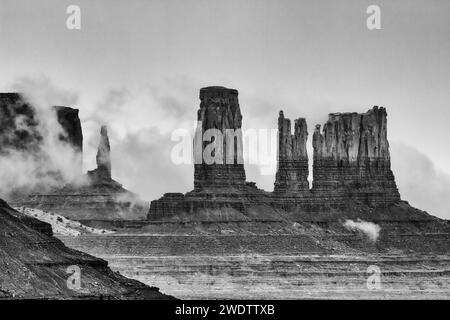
(351, 158)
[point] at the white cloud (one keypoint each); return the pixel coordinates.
(370, 229)
(420, 182)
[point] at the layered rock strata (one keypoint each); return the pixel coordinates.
(217, 162)
(351, 163)
(351, 159)
(219, 175)
(292, 172)
(34, 265)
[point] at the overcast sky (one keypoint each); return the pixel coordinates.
(137, 66)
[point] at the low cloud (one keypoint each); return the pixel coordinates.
(369, 229)
(420, 182)
(49, 162)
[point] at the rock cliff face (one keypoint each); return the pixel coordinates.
(351, 158)
(33, 265)
(351, 163)
(69, 120)
(292, 172)
(219, 175)
(218, 163)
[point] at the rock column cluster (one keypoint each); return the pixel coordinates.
(292, 171)
(351, 158)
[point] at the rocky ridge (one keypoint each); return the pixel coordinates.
(40, 270)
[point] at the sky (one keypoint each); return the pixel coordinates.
(137, 66)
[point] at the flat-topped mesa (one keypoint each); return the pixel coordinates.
(103, 158)
(68, 118)
(292, 170)
(19, 126)
(218, 163)
(351, 157)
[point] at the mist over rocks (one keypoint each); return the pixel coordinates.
(40, 147)
(41, 150)
(99, 197)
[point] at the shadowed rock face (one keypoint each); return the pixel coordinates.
(219, 109)
(292, 171)
(69, 120)
(19, 126)
(33, 265)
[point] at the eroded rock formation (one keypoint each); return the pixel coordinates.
(219, 175)
(351, 158)
(351, 163)
(292, 171)
(219, 117)
(103, 159)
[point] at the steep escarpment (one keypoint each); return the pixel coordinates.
(351, 163)
(219, 175)
(351, 159)
(34, 265)
(292, 172)
(352, 181)
(218, 142)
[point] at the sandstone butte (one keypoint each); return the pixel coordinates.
(352, 179)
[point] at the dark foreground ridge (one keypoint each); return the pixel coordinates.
(33, 265)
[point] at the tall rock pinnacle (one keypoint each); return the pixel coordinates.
(103, 172)
(292, 171)
(103, 155)
(219, 113)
